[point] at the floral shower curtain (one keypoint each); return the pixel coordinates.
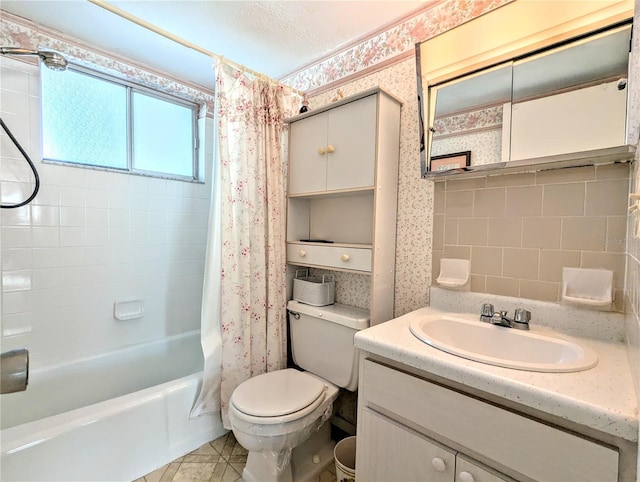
(252, 179)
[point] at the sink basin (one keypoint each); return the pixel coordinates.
(466, 337)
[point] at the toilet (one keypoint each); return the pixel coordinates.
(282, 417)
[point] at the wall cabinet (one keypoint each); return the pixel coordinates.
(334, 150)
(342, 191)
(401, 411)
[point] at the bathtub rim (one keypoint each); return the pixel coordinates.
(20, 437)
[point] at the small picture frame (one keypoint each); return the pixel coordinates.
(450, 161)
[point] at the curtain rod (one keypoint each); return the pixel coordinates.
(185, 43)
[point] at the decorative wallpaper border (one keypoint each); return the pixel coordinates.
(18, 32)
(436, 18)
(465, 122)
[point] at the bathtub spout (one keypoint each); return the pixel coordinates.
(14, 371)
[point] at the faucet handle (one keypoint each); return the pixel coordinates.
(487, 309)
(521, 319)
(522, 316)
(486, 312)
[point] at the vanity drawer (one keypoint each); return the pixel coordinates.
(532, 448)
(358, 259)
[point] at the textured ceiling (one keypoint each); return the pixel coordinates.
(272, 37)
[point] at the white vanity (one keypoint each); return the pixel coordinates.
(427, 415)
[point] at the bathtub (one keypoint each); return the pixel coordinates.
(113, 417)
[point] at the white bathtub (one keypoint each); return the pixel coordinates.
(114, 417)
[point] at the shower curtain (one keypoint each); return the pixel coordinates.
(247, 240)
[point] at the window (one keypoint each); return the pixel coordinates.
(92, 120)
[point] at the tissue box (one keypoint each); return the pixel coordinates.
(313, 290)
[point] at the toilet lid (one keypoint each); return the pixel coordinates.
(277, 393)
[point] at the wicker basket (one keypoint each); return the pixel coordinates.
(313, 290)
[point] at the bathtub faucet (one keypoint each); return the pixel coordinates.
(14, 371)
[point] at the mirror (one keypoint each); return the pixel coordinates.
(555, 102)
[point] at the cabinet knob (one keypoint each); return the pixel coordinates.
(330, 149)
(466, 476)
(321, 150)
(344, 257)
(439, 464)
(302, 253)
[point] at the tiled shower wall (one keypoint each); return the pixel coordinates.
(520, 230)
(89, 239)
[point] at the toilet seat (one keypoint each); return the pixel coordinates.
(277, 397)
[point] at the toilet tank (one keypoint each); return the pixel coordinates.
(322, 340)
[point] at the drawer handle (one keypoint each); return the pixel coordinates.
(439, 464)
(330, 149)
(344, 257)
(466, 476)
(302, 253)
(321, 150)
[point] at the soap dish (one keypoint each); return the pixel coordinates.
(591, 288)
(454, 273)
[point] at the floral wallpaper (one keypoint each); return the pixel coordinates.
(468, 121)
(485, 146)
(415, 195)
(478, 131)
(392, 43)
(18, 32)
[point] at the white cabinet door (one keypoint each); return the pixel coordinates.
(467, 471)
(334, 150)
(352, 137)
(308, 167)
(387, 452)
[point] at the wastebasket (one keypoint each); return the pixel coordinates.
(345, 456)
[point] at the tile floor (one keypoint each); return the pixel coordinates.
(221, 460)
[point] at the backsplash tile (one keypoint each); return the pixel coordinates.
(519, 230)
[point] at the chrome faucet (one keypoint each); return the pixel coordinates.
(520, 320)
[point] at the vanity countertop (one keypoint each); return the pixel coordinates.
(602, 398)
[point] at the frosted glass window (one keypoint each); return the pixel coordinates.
(162, 136)
(96, 120)
(83, 119)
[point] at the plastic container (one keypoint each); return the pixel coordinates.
(345, 457)
(313, 290)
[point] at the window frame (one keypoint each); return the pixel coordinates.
(130, 88)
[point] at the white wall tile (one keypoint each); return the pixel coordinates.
(16, 324)
(45, 237)
(118, 200)
(45, 215)
(16, 280)
(15, 80)
(14, 102)
(97, 236)
(73, 176)
(97, 198)
(16, 258)
(16, 302)
(73, 236)
(72, 216)
(16, 237)
(16, 217)
(90, 237)
(118, 218)
(48, 195)
(73, 196)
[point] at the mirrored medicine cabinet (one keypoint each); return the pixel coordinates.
(554, 95)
